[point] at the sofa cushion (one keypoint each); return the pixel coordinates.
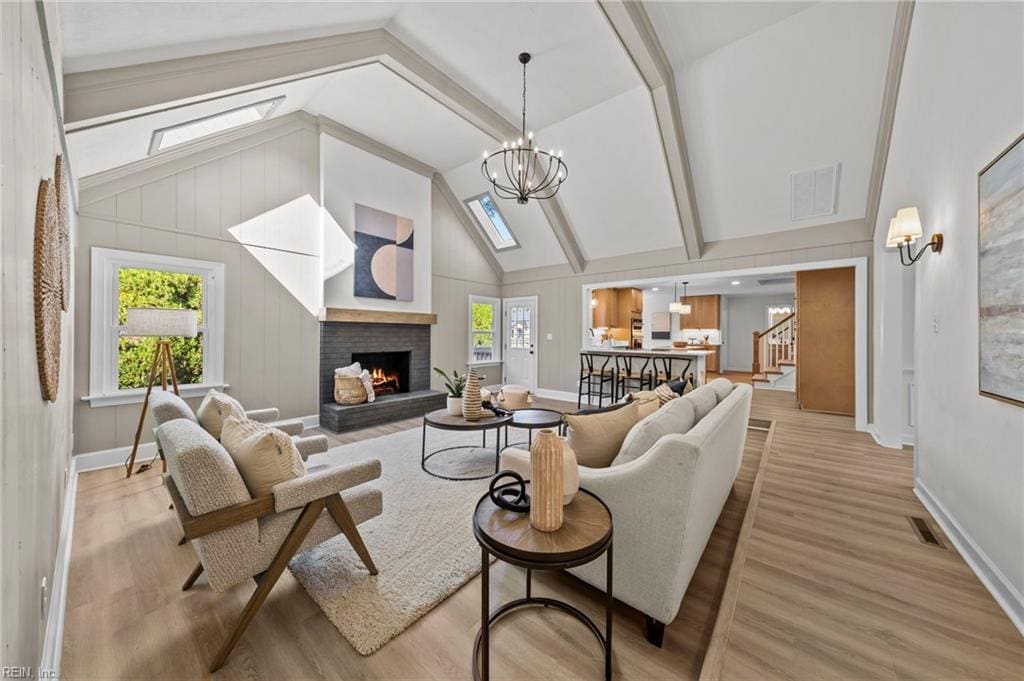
(722, 388)
(215, 408)
(264, 456)
(167, 406)
(675, 417)
(704, 399)
(596, 438)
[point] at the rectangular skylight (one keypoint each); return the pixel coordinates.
(173, 135)
(492, 222)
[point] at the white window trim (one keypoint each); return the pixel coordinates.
(103, 331)
(488, 300)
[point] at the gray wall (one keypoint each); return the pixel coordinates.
(254, 210)
(459, 271)
(35, 436)
(742, 315)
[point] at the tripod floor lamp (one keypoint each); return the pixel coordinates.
(162, 324)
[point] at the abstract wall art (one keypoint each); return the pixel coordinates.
(384, 255)
(1001, 276)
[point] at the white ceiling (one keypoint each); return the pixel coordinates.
(618, 195)
(537, 244)
(802, 93)
(691, 30)
(749, 285)
(766, 88)
(101, 35)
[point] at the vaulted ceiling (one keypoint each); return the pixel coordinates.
(764, 89)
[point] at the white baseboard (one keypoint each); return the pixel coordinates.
(109, 458)
(556, 394)
(905, 439)
(1006, 595)
(53, 638)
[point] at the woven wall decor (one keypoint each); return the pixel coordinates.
(60, 178)
(47, 289)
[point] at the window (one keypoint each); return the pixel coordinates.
(172, 136)
(119, 365)
(492, 222)
(484, 330)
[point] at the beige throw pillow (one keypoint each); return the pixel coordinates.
(215, 408)
(263, 455)
(648, 401)
(597, 438)
(675, 417)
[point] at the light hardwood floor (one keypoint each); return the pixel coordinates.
(835, 586)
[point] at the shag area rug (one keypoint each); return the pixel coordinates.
(422, 543)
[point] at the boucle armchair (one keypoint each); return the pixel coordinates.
(665, 490)
(238, 537)
(166, 406)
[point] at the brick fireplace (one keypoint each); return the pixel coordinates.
(398, 357)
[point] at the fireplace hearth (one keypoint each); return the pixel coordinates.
(398, 359)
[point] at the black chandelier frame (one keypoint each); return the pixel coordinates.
(524, 170)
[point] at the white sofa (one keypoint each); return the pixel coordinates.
(665, 503)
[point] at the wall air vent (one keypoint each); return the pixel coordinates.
(777, 281)
(814, 193)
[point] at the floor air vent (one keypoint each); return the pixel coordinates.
(924, 531)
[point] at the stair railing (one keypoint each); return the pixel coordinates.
(775, 345)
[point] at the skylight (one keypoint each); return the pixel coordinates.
(172, 136)
(492, 222)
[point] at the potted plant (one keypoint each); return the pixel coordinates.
(454, 384)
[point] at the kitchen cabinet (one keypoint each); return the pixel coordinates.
(704, 313)
(630, 306)
(606, 308)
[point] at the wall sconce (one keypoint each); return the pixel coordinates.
(904, 230)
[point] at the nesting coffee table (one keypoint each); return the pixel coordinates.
(530, 419)
(442, 420)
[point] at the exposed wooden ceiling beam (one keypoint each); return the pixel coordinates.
(893, 75)
(104, 96)
(635, 31)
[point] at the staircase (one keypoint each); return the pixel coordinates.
(774, 365)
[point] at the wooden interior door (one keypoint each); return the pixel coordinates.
(825, 357)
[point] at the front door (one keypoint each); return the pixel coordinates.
(520, 334)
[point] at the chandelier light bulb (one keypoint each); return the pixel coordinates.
(504, 145)
(529, 136)
(559, 153)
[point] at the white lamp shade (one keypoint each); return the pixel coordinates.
(679, 308)
(908, 226)
(892, 238)
(148, 321)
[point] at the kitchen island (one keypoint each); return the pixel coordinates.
(671, 362)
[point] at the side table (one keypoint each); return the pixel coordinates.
(585, 535)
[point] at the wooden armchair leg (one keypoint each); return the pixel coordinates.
(192, 577)
(310, 514)
(339, 511)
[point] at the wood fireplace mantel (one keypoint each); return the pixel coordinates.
(338, 314)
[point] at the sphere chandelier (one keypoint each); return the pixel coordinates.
(521, 170)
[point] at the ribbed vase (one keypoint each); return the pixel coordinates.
(471, 409)
(546, 482)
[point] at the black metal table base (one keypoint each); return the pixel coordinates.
(481, 646)
(424, 457)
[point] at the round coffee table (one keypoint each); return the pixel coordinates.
(442, 420)
(585, 535)
(530, 419)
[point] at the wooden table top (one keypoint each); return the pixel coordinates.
(440, 418)
(586, 531)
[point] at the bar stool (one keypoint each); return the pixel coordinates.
(591, 372)
(625, 375)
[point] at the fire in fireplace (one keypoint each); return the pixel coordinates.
(389, 371)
